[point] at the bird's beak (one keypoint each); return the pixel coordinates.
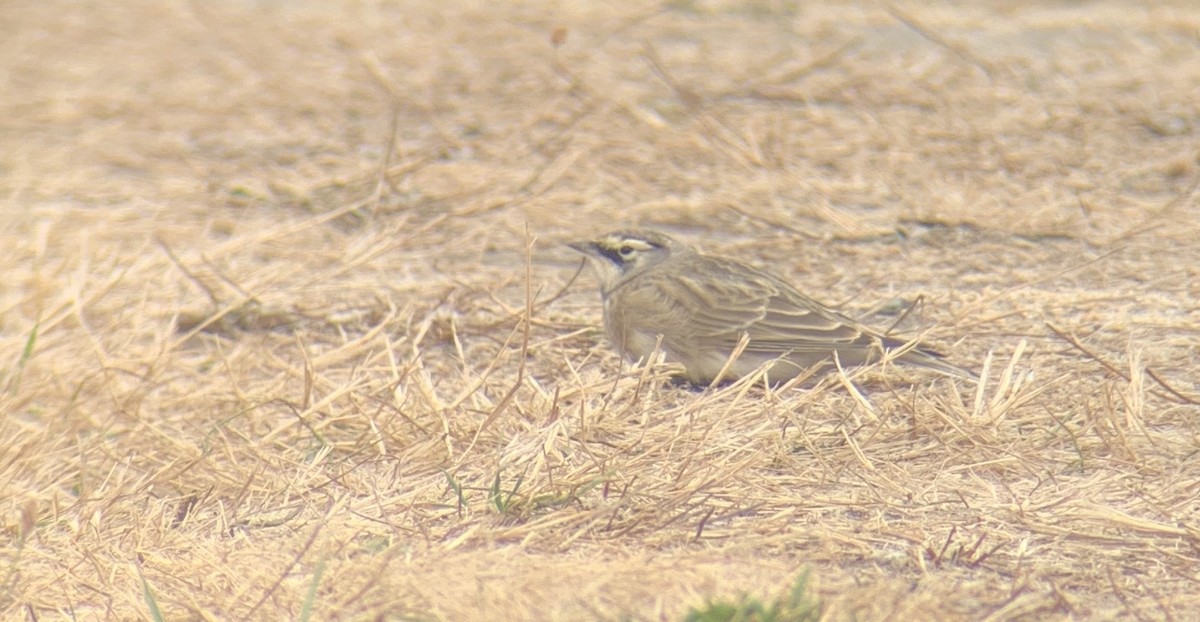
(587, 248)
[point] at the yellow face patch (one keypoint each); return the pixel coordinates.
(624, 251)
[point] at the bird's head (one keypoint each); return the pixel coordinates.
(619, 255)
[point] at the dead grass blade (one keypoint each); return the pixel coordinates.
(961, 51)
(526, 321)
(1171, 392)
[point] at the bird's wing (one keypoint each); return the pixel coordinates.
(730, 300)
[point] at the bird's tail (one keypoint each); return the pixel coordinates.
(930, 359)
(934, 361)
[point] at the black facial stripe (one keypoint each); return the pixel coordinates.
(613, 255)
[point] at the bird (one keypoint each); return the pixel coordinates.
(661, 294)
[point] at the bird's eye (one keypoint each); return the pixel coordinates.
(626, 252)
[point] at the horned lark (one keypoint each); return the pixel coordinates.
(704, 308)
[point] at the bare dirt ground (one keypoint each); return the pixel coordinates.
(288, 329)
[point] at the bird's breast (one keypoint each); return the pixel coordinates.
(632, 338)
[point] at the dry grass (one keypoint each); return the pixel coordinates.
(286, 308)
